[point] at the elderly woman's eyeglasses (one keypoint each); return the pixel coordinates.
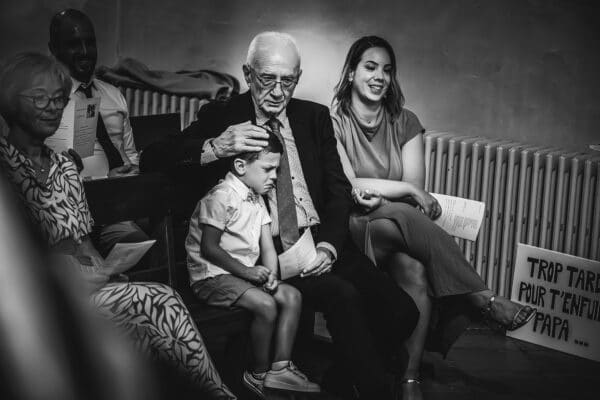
(41, 101)
(269, 81)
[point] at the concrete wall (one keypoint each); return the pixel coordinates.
(521, 69)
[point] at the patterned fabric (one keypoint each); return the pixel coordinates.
(58, 206)
(231, 207)
(154, 315)
(151, 313)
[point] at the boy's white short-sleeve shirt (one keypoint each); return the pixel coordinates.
(234, 208)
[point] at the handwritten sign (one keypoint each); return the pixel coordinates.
(566, 292)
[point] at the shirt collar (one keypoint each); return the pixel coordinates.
(240, 188)
(77, 83)
(262, 118)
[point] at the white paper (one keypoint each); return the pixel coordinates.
(460, 217)
(299, 256)
(77, 129)
(125, 255)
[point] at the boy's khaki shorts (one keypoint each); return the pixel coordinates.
(221, 290)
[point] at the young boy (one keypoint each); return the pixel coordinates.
(229, 230)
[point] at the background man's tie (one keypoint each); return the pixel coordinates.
(286, 204)
(112, 154)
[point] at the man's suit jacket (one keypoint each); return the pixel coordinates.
(313, 132)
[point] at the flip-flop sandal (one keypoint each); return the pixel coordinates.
(530, 312)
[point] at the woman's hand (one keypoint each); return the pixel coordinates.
(124, 170)
(94, 280)
(75, 157)
(428, 204)
(368, 199)
(80, 269)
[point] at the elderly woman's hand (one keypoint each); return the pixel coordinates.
(124, 170)
(75, 157)
(368, 199)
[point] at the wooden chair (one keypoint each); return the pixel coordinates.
(149, 129)
(141, 197)
(148, 196)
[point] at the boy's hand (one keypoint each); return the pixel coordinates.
(257, 274)
(272, 283)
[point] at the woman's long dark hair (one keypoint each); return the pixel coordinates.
(393, 100)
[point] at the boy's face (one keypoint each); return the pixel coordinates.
(261, 173)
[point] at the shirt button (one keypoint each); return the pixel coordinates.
(293, 177)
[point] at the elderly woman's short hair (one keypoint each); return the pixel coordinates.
(17, 73)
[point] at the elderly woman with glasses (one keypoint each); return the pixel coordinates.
(34, 92)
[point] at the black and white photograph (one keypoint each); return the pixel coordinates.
(300, 199)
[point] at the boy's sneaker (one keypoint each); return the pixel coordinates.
(290, 378)
(255, 383)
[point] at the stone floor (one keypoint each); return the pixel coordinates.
(484, 365)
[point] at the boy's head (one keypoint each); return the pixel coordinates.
(258, 169)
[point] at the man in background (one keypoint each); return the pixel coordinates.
(73, 43)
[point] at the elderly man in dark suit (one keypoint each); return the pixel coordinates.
(367, 315)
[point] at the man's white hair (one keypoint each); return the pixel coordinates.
(263, 40)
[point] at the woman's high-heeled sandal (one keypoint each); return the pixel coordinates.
(487, 314)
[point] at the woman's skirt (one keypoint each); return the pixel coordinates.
(449, 274)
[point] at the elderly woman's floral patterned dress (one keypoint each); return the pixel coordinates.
(152, 314)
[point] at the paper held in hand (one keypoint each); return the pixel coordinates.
(77, 129)
(460, 217)
(122, 257)
(125, 255)
(299, 256)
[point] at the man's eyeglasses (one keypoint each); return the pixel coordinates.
(42, 101)
(269, 81)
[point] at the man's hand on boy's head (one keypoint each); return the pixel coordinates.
(240, 138)
(257, 274)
